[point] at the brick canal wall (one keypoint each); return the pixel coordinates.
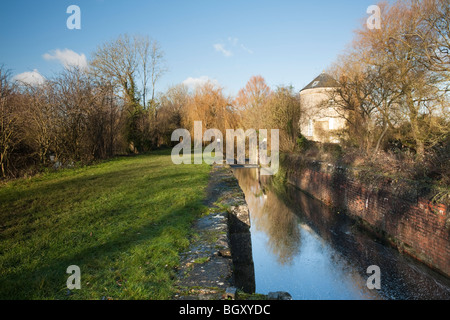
(393, 209)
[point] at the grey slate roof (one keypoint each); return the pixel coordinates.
(322, 81)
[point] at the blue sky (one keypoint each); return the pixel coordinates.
(287, 42)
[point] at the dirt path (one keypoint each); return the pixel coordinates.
(207, 267)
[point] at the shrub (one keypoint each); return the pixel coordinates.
(303, 143)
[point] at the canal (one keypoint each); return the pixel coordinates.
(303, 247)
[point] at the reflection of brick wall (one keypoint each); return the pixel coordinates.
(414, 225)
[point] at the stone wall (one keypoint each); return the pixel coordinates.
(392, 209)
(220, 255)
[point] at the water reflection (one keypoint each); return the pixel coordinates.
(279, 225)
(302, 247)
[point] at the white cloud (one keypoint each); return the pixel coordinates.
(30, 77)
(221, 48)
(193, 83)
(67, 58)
(233, 41)
(234, 44)
(246, 49)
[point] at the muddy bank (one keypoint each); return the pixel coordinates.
(220, 254)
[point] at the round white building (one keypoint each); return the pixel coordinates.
(320, 121)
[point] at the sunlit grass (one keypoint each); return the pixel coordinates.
(123, 222)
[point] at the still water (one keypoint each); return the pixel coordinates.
(302, 247)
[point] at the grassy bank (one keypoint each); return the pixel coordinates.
(123, 222)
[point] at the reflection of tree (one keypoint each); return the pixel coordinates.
(281, 226)
(271, 216)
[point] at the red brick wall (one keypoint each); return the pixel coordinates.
(413, 224)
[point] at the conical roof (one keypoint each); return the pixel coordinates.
(322, 81)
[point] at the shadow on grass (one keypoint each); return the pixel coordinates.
(125, 229)
(18, 203)
(49, 280)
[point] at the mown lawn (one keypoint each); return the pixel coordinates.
(123, 222)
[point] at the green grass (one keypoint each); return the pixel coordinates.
(123, 222)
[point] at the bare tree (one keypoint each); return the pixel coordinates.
(282, 111)
(152, 66)
(171, 108)
(419, 89)
(209, 105)
(9, 127)
(250, 102)
(41, 126)
(434, 35)
(118, 61)
(389, 75)
(125, 60)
